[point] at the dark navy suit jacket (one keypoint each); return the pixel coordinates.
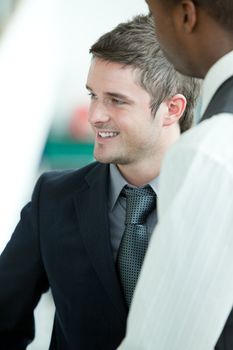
(62, 241)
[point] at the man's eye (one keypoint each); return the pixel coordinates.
(117, 101)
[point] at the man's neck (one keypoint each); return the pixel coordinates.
(140, 175)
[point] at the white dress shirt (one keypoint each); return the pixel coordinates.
(185, 290)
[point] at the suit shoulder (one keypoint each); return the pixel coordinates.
(65, 180)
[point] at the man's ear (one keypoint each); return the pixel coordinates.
(175, 108)
(186, 15)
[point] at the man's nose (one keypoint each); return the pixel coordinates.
(98, 113)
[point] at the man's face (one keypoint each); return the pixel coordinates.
(173, 41)
(120, 115)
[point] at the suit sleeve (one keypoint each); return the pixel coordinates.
(22, 280)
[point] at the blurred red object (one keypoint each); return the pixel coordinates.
(79, 126)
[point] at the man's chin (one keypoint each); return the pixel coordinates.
(103, 159)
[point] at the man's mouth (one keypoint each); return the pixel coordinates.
(107, 134)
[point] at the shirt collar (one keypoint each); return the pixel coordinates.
(217, 74)
(117, 182)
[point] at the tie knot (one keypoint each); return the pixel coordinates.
(139, 203)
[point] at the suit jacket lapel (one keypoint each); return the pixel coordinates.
(92, 210)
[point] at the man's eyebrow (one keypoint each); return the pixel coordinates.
(88, 88)
(114, 94)
(120, 96)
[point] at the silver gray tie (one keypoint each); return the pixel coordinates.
(139, 204)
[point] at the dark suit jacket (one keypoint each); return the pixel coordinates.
(222, 102)
(63, 241)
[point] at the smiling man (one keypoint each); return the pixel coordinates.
(184, 297)
(85, 232)
(126, 132)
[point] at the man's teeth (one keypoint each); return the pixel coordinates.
(107, 134)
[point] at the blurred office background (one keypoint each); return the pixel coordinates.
(44, 61)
